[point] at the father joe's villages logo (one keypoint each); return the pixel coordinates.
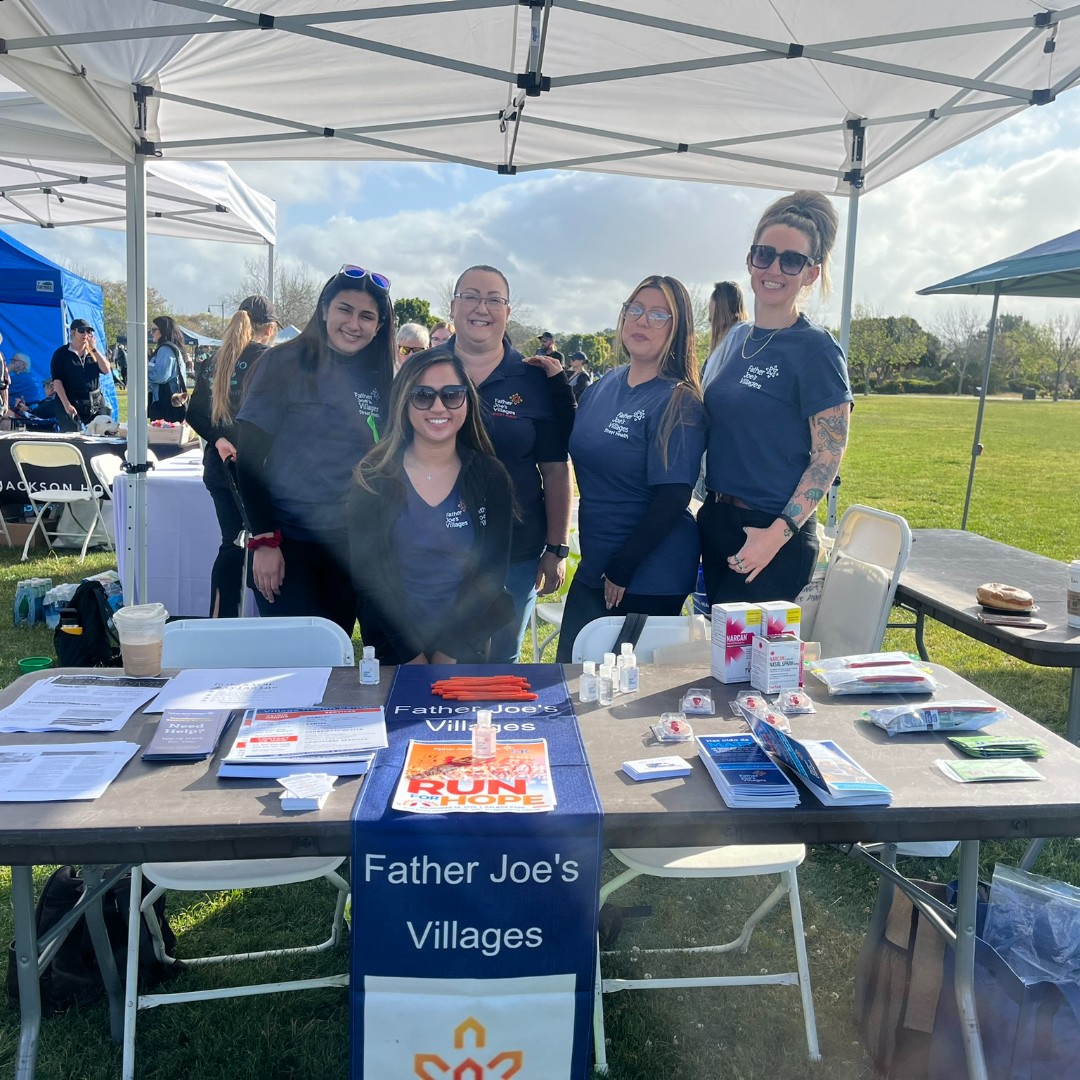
(619, 425)
(367, 402)
(754, 373)
(507, 406)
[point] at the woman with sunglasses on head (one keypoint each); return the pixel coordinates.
(411, 338)
(638, 439)
(778, 409)
(429, 519)
(307, 418)
(215, 401)
(528, 413)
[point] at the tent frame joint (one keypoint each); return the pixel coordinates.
(508, 170)
(533, 83)
(1042, 97)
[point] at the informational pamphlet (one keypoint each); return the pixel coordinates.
(744, 774)
(187, 734)
(79, 703)
(242, 688)
(444, 777)
(59, 772)
(969, 771)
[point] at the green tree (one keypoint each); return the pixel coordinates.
(115, 305)
(881, 346)
(413, 309)
(597, 347)
(1064, 336)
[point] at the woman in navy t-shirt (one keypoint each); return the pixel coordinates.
(429, 519)
(778, 416)
(636, 447)
(310, 413)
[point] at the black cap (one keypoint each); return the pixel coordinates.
(260, 309)
(80, 324)
(547, 334)
(577, 356)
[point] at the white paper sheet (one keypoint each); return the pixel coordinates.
(242, 688)
(79, 703)
(58, 772)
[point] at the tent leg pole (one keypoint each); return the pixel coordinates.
(849, 268)
(135, 541)
(976, 446)
(270, 250)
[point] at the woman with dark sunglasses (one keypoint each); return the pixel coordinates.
(636, 446)
(307, 418)
(778, 410)
(429, 518)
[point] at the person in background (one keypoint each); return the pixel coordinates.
(638, 439)
(120, 360)
(311, 412)
(76, 370)
(580, 377)
(215, 401)
(528, 413)
(22, 384)
(5, 382)
(778, 408)
(547, 346)
(165, 372)
(429, 519)
(727, 308)
(441, 333)
(411, 338)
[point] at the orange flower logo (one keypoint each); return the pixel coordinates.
(502, 1066)
(516, 399)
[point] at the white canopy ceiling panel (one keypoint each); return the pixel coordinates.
(754, 92)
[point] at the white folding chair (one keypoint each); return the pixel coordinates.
(733, 861)
(870, 551)
(45, 455)
(661, 631)
(294, 641)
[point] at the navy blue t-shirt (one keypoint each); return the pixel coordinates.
(521, 419)
(320, 429)
(433, 544)
(760, 407)
(618, 460)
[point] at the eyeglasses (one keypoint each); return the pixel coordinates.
(655, 317)
(408, 350)
(475, 299)
(358, 272)
(792, 263)
(423, 397)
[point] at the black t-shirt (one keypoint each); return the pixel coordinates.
(79, 374)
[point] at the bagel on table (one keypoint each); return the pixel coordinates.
(1006, 597)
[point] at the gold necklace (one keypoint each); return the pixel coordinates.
(750, 337)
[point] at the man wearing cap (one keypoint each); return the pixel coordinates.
(547, 346)
(579, 377)
(75, 370)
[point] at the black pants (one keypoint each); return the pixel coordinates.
(317, 582)
(583, 604)
(226, 578)
(720, 526)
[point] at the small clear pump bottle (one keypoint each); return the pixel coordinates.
(484, 735)
(587, 689)
(369, 667)
(606, 685)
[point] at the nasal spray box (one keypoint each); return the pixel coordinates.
(776, 654)
(733, 628)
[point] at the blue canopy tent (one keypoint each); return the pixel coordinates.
(38, 300)
(1048, 269)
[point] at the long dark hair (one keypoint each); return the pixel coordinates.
(312, 343)
(170, 335)
(386, 458)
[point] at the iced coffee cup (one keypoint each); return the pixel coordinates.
(141, 628)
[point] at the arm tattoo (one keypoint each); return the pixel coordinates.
(829, 431)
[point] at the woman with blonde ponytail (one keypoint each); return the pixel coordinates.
(219, 389)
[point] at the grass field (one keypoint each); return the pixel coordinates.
(908, 455)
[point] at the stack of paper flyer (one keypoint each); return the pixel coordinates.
(271, 743)
(744, 774)
(827, 770)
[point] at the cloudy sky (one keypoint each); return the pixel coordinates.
(573, 244)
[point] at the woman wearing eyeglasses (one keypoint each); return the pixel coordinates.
(778, 410)
(638, 439)
(307, 418)
(429, 519)
(411, 338)
(528, 413)
(441, 333)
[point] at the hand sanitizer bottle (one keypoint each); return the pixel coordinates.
(605, 685)
(587, 690)
(484, 734)
(628, 670)
(369, 667)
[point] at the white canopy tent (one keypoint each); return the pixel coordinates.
(840, 96)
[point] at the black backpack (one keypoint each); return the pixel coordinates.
(72, 977)
(97, 645)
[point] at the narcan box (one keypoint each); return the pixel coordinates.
(780, 617)
(733, 629)
(776, 663)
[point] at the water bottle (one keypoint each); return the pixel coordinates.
(23, 609)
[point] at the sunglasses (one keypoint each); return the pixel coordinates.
(792, 263)
(655, 317)
(357, 272)
(408, 350)
(423, 397)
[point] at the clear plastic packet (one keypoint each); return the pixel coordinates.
(873, 673)
(794, 703)
(752, 704)
(698, 701)
(937, 716)
(672, 728)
